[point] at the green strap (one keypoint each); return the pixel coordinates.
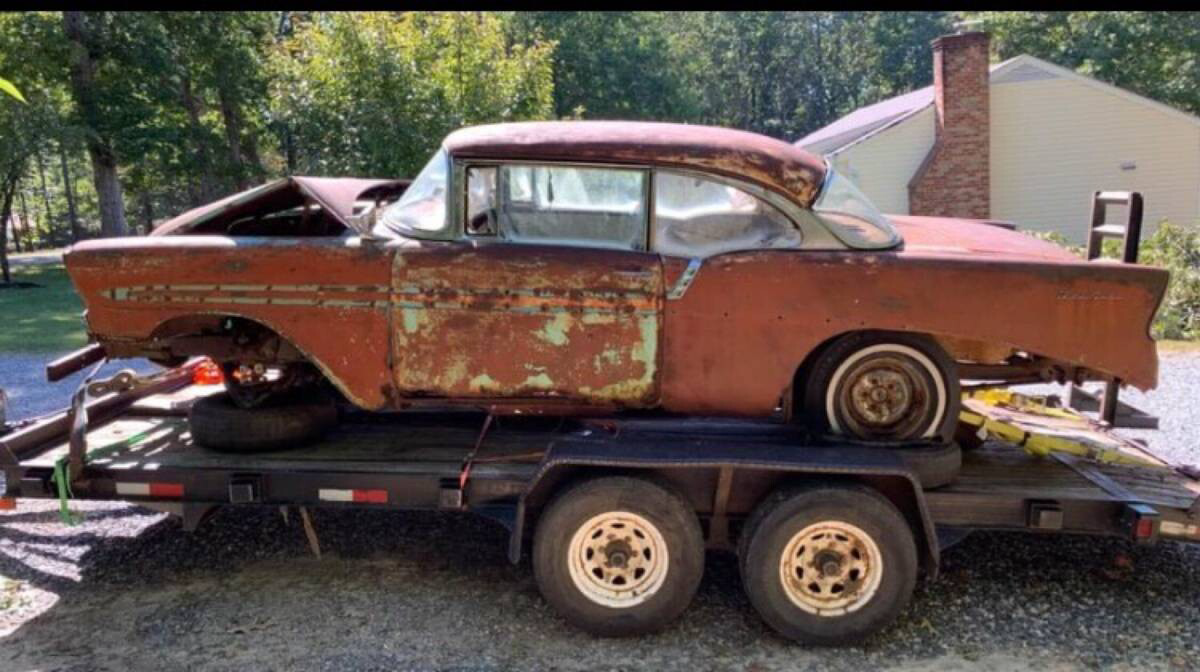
(68, 517)
(73, 518)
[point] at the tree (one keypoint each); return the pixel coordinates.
(611, 65)
(86, 49)
(373, 94)
(1155, 54)
(788, 73)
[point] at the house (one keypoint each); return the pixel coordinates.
(1024, 141)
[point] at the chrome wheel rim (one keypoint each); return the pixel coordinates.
(831, 568)
(618, 559)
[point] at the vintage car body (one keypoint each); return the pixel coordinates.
(458, 318)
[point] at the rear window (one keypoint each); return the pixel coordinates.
(698, 217)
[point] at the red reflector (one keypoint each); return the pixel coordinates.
(166, 489)
(1144, 529)
(7, 503)
(371, 496)
(208, 373)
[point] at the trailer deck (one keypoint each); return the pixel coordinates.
(419, 460)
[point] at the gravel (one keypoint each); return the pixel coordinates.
(23, 378)
(129, 590)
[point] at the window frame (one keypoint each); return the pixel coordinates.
(462, 166)
(813, 234)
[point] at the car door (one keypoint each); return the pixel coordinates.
(550, 297)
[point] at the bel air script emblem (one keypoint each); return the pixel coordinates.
(1086, 296)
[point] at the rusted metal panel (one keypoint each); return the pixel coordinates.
(770, 163)
(527, 322)
(334, 310)
(736, 338)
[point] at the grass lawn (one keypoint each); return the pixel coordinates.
(41, 319)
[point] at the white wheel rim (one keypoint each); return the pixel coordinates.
(618, 559)
(916, 355)
(831, 568)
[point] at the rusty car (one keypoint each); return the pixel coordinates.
(579, 268)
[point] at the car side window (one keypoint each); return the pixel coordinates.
(698, 217)
(550, 204)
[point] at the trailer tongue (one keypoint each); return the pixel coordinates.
(654, 491)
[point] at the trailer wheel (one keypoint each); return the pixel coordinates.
(876, 385)
(618, 555)
(828, 565)
(284, 422)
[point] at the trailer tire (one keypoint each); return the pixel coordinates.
(618, 555)
(859, 578)
(288, 421)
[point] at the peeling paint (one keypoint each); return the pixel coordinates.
(413, 319)
(555, 330)
(483, 383)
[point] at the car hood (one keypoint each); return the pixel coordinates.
(336, 195)
(954, 236)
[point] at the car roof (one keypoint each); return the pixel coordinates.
(770, 163)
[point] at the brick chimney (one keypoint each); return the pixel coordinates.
(953, 180)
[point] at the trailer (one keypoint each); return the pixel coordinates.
(616, 513)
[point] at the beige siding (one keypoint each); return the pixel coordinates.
(882, 164)
(1055, 141)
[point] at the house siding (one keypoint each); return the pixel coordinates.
(882, 164)
(1055, 141)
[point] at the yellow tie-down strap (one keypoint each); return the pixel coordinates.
(1041, 429)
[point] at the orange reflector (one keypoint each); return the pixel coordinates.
(7, 503)
(208, 373)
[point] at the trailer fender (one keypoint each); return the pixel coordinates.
(569, 460)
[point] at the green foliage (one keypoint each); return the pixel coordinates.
(1155, 54)
(788, 73)
(611, 65)
(374, 94)
(1174, 248)
(1177, 249)
(8, 87)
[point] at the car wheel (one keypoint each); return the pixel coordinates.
(883, 386)
(828, 565)
(618, 555)
(286, 421)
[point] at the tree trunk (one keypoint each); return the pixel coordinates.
(84, 52)
(69, 190)
(47, 215)
(9, 188)
(191, 104)
(233, 132)
(24, 223)
(147, 213)
(289, 150)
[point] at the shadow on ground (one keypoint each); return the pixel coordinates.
(131, 590)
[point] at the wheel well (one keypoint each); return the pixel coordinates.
(796, 386)
(231, 338)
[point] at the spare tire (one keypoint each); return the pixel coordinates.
(284, 422)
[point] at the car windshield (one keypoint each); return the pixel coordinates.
(421, 211)
(852, 217)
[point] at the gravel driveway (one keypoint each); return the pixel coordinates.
(128, 590)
